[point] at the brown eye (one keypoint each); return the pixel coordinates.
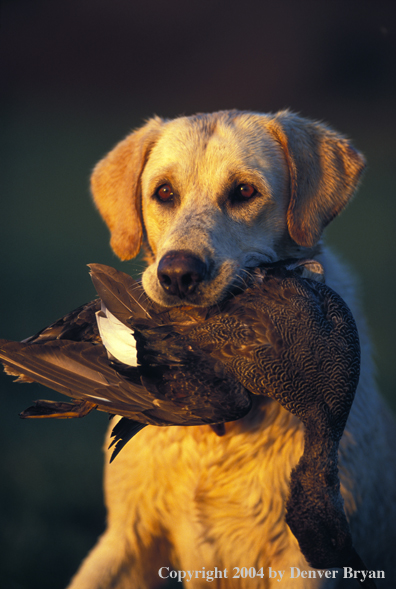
(164, 192)
(246, 191)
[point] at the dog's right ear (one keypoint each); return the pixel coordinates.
(115, 185)
(324, 171)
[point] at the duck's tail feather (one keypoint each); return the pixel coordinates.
(122, 432)
(54, 409)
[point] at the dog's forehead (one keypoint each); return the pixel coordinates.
(213, 147)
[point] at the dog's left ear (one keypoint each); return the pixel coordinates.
(115, 184)
(324, 172)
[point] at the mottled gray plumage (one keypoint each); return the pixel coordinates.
(287, 337)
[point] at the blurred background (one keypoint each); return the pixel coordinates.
(79, 75)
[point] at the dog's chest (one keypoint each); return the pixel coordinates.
(219, 499)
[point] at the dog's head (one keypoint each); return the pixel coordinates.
(213, 195)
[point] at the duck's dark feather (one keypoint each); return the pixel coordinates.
(176, 393)
(287, 337)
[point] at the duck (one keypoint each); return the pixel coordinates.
(285, 335)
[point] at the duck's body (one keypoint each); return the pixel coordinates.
(284, 337)
(192, 365)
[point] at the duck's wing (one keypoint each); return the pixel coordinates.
(179, 385)
(79, 370)
(186, 391)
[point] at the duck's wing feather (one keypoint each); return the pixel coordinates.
(78, 325)
(121, 294)
(178, 385)
(188, 391)
(77, 369)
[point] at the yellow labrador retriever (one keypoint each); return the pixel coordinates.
(210, 196)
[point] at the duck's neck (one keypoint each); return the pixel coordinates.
(315, 512)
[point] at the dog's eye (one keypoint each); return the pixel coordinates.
(246, 191)
(164, 192)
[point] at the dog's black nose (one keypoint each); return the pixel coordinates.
(180, 272)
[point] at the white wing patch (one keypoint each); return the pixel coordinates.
(117, 338)
(99, 399)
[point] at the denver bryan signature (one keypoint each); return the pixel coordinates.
(251, 572)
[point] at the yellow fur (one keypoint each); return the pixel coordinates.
(183, 497)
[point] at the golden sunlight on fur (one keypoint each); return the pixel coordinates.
(183, 498)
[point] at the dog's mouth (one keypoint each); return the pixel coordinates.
(250, 275)
(182, 278)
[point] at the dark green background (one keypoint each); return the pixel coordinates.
(79, 75)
